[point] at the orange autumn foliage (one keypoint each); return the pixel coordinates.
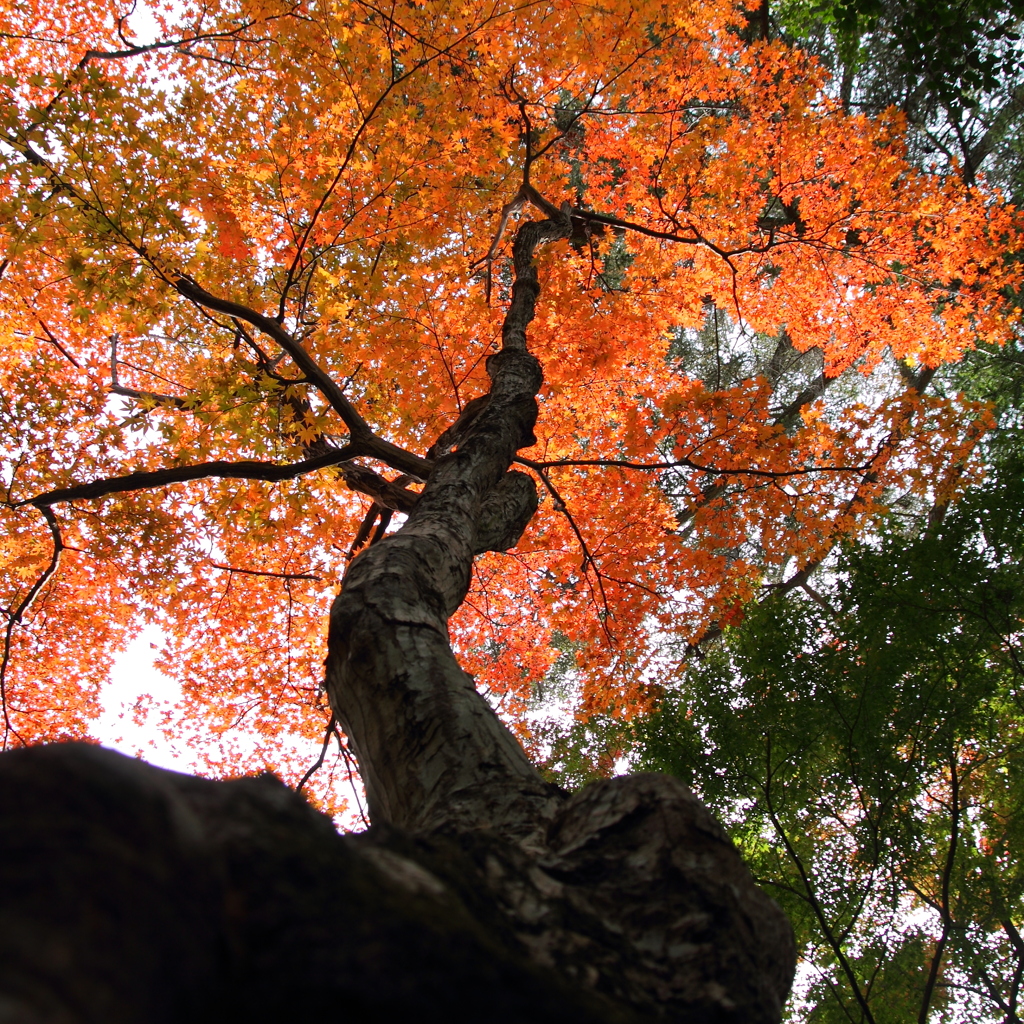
(341, 167)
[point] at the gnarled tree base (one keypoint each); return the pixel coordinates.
(133, 894)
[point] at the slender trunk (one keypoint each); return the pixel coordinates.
(431, 750)
(944, 896)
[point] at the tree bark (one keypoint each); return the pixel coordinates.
(431, 750)
(133, 895)
(633, 905)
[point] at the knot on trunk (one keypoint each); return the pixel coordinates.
(632, 892)
(506, 512)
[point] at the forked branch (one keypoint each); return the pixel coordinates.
(362, 436)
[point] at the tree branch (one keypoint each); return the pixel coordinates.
(947, 873)
(628, 225)
(389, 494)
(305, 362)
(145, 480)
(811, 896)
(589, 562)
(15, 616)
(689, 464)
(369, 443)
(323, 753)
(272, 575)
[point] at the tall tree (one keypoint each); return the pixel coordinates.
(863, 737)
(268, 276)
(867, 752)
(887, 799)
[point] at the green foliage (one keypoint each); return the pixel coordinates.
(864, 740)
(577, 753)
(955, 70)
(965, 49)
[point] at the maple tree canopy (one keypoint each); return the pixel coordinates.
(255, 260)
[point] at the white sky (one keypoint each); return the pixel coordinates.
(133, 677)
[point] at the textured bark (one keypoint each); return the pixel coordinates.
(133, 895)
(430, 749)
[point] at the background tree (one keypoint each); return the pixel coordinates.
(952, 69)
(860, 731)
(863, 738)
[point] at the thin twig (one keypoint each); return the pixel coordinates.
(320, 760)
(588, 559)
(272, 575)
(353, 770)
(15, 616)
(537, 466)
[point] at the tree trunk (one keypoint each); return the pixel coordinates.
(621, 889)
(133, 895)
(431, 751)
(480, 894)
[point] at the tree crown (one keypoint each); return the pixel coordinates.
(254, 265)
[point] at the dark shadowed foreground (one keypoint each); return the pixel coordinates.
(129, 893)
